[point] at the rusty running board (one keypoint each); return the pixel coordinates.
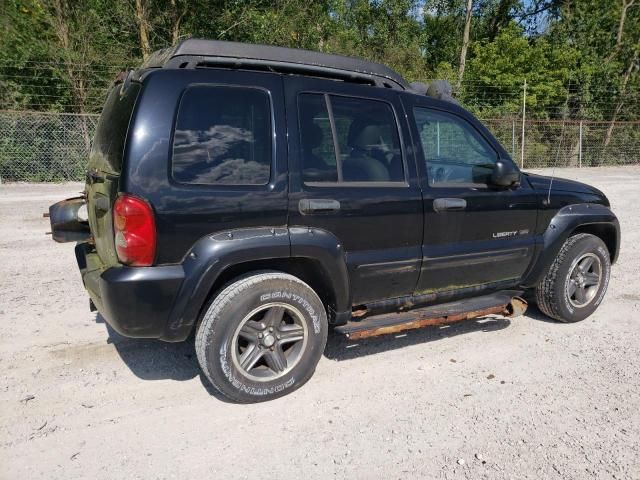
(505, 303)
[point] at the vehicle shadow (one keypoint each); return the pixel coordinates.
(339, 348)
(534, 312)
(150, 359)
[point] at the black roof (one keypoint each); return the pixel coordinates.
(192, 53)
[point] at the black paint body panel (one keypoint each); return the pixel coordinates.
(186, 213)
(385, 241)
(378, 227)
(541, 183)
(563, 223)
(463, 248)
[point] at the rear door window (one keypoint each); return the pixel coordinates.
(318, 152)
(223, 136)
(347, 139)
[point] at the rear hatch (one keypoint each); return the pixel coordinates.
(88, 219)
(105, 167)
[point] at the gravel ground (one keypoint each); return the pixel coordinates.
(493, 398)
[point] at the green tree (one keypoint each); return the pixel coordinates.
(580, 58)
(498, 69)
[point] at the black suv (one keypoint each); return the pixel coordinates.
(258, 195)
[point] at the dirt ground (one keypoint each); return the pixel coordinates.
(493, 398)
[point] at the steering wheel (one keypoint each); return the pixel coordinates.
(442, 173)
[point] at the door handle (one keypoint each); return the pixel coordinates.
(311, 206)
(449, 204)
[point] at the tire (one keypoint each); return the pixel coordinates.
(261, 337)
(577, 280)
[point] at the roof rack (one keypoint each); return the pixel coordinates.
(197, 53)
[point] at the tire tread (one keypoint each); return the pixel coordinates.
(223, 298)
(546, 297)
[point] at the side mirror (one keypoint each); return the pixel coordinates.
(505, 174)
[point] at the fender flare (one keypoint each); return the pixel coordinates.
(213, 254)
(562, 225)
(325, 247)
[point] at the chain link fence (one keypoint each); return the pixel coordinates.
(570, 143)
(54, 147)
(44, 147)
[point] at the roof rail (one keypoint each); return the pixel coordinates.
(197, 53)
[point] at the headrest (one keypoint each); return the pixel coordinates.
(364, 136)
(364, 169)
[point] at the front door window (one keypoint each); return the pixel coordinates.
(455, 153)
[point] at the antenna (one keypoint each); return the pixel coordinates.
(553, 171)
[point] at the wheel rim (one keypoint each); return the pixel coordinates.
(584, 280)
(269, 341)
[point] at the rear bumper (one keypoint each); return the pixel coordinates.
(65, 224)
(136, 301)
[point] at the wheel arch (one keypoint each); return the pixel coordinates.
(606, 232)
(313, 255)
(309, 270)
(570, 220)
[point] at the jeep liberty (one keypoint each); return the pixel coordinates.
(255, 196)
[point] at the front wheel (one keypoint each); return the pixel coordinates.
(577, 279)
(262, 337)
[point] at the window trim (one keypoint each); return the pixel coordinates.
(340, 183)
(386, 184)
(225, 186)
(488, 142)
(334, 136)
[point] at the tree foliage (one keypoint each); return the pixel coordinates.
(580, 57)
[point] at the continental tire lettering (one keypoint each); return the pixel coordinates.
(235, 381)
(299, 300)
(312, 313)
(224, 364)
(273, 295)
(566, 286)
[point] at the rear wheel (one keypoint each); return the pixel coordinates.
(262, 337)
(577, 280)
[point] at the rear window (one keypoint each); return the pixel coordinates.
(223, 136)
(108, 143)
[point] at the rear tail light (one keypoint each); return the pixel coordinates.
(135, 231)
